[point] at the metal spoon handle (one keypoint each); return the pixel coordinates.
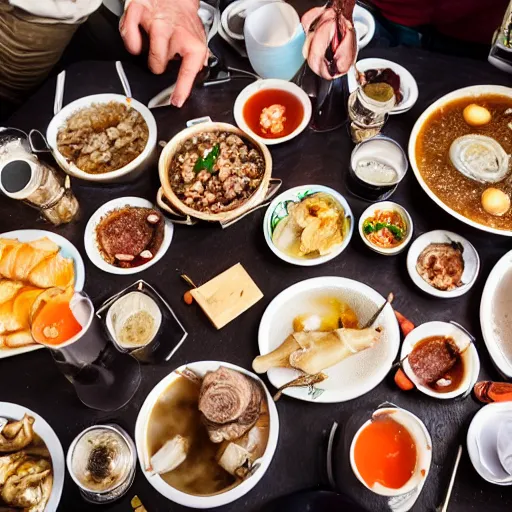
(124, 79)
(370, 322)
(59, 92)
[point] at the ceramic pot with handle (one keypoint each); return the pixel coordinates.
(169, 201)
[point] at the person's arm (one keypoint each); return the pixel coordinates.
(174, 29)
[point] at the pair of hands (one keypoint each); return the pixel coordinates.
(175, 29)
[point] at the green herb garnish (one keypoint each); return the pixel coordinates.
(370, 227)
(208, 161)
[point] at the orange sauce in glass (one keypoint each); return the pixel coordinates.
(294, 112)
(385, 452)
(55, 324)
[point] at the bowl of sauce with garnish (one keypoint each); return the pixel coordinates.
(272, 111)
(391, 453)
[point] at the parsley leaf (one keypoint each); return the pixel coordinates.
(206, 163)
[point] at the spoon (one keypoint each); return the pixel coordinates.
(372, 320)
(124, 79)
(59, 92)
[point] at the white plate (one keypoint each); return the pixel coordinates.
(47, 434)
(67, 250)
(203, 502)
(364, 17)
(463, 341)
(469, 255)
(277, 211)
(408, 85)
(350, 378)
(271, 83)
(91, 243)
(501, 358)
(487, 417)
(466, 92)
(387, 205)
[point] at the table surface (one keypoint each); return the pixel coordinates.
(203, 251)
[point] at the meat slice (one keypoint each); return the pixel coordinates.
(127, 232)
(230, 403)
(432, 358)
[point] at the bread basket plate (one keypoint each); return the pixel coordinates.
(67, 250)
(48, 435)
(352, 377)
(214, 500)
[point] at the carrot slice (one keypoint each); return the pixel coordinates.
(405, 324)
(402, 381)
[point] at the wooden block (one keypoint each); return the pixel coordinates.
(227, 296)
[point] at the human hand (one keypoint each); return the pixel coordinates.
(324, 34)
(174, 28)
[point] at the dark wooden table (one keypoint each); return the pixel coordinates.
(205, 250)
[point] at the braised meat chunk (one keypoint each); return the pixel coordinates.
(130, 236)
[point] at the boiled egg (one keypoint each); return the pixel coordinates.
(495, 201)
(475, 115)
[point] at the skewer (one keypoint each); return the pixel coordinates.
(444, 506)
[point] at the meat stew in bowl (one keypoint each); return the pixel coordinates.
(216, 171)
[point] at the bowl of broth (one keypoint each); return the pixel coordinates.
(469, 126)
(391, 453)
(200, 479)
(272, 111)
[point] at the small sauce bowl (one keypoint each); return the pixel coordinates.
(387, 205)
(469, 356)
(422, 440)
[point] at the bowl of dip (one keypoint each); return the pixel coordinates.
(391, 453)
(272, 110)
(386, 228)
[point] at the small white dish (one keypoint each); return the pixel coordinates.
(497, 343)
(356, 375)
(271, 83)
(127, 173)
(67, 250)
(482, 442)
(48, 435)
(277, 211)
(387, 205)
(364, 25)
(91, 242)
(216, 500)
(408, 85)
(468, 350)
(469, 255)
(422, 440)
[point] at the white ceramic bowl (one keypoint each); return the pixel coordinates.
(223, 498)
(356, 375)
(387, 205)
(463, 341)
(470, 257)
(501, 355)
(272, 83)
(421, 437)
(277, 211)
(408, 85)
(473, 91)
(67, 250)
(126, 173)
(365, 18)
(482, 442)
(91, 240)
(47, 434)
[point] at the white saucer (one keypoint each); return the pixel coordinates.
(470, 257)
(91, 243)
(408, 85)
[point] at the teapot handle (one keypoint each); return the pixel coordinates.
(176, 217)
(33, 146)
